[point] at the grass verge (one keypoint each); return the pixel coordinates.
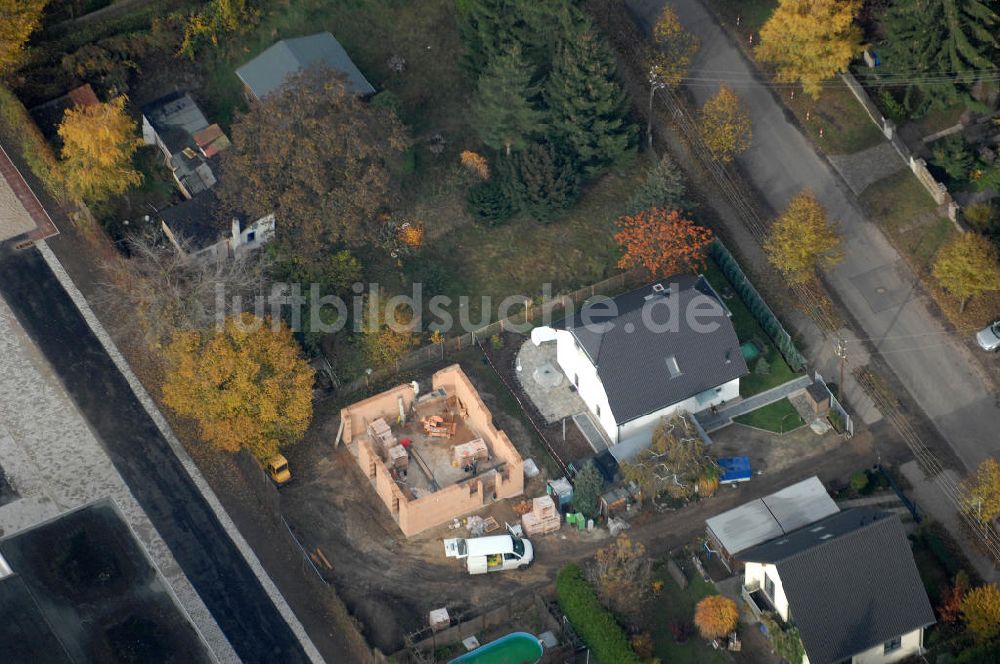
(906, 213)
(845, 126)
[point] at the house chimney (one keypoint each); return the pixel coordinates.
(236, 232)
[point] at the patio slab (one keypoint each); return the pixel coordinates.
(545, 384)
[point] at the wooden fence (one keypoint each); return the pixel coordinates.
(526, 317)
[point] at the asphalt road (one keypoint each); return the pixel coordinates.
(144, 459)
(873, 282)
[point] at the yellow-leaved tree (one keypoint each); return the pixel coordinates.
(245, 384)
(675, 47)
(808, 41)
(18, 19)
(716, 616)
(802, 239)
(982, 491)
(217, 18)
(99, 142)
(981, 611)
(725, 125)
(968, 266)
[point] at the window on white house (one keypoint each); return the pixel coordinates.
(598, 407)
(892, 645)
(769, 586)
(251, 236)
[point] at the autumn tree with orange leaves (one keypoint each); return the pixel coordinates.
(716, 616)
(663, 242)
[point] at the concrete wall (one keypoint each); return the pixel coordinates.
(356, 417)
(417, 515)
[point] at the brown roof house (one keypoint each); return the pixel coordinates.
(432, 457)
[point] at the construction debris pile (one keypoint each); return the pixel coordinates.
(437, 426)
(543, 518)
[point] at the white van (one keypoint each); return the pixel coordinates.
(491, 554)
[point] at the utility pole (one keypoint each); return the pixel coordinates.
(841, 352)
(656, 82)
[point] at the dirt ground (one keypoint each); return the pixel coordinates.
(390, 583)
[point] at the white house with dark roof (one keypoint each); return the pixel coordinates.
(646, 354)
(266, 73)
(848, 583)
(193, 230)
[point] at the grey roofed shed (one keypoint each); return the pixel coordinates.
(268, 71)
(850, 581)
(771, 516)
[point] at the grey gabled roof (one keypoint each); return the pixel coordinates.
(175, 118)
(772, 516)
(268, 71)
(850, 581)
(633, 359)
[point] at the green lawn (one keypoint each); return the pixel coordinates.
(748, 329)
(674, 605)
(779, 417)
(845, 124)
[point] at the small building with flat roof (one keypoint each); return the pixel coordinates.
(766, 518)
(80, 588)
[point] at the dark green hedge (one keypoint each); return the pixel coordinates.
(595, 624)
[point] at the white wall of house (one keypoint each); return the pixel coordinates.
(910, 644)
(756, 573)
(643, 427)
(581, 372)
(253, 236)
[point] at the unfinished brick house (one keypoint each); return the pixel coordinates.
(432, 457)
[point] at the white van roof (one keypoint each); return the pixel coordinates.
(488, 546)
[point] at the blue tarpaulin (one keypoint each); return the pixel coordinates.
(735, 469)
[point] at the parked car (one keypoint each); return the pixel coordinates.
(989, 337)
(491, 554)
(277, 469)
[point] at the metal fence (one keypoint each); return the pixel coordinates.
(757, 306)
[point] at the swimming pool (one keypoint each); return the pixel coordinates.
(514, 648)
